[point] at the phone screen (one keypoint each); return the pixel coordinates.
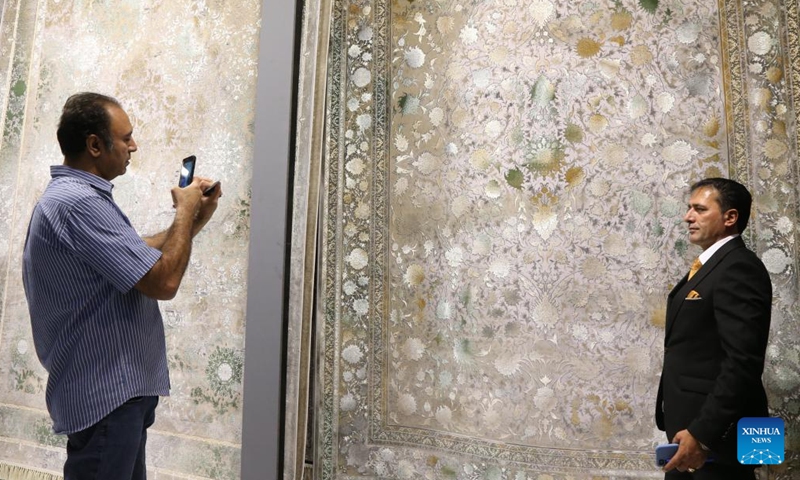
(187, 171)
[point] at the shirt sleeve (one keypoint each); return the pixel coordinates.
(99, 234)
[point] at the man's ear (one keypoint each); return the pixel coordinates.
(94, 146)
(731, 217)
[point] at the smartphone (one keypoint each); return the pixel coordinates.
(210, 190)
(664, 453)
(187, 171)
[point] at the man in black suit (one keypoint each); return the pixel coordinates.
(716, 336)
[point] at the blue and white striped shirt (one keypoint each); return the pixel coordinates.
(101, 340)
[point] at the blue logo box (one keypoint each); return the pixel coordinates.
(760, 441)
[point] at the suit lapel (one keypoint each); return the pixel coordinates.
(678, 294)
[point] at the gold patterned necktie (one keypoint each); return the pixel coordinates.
(695, 267)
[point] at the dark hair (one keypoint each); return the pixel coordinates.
(84, 114)
(730, 194)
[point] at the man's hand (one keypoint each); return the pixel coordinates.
(187, 199)
(199, 213)
(208, 205)
(690, 455)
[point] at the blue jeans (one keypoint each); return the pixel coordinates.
(113, 448)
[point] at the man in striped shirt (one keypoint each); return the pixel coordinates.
(93, 286)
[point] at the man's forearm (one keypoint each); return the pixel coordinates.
(176, 249)
(163, 280)
(157, 241)
(198, 224)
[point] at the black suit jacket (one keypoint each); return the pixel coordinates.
(714, 348)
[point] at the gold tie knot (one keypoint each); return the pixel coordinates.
(695, 267)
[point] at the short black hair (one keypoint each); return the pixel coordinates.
(84, 114)
(731, 194)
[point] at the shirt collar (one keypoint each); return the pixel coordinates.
(63, 171)
(708, 252)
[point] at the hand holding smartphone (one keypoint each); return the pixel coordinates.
(664, 453)
(187, 175)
